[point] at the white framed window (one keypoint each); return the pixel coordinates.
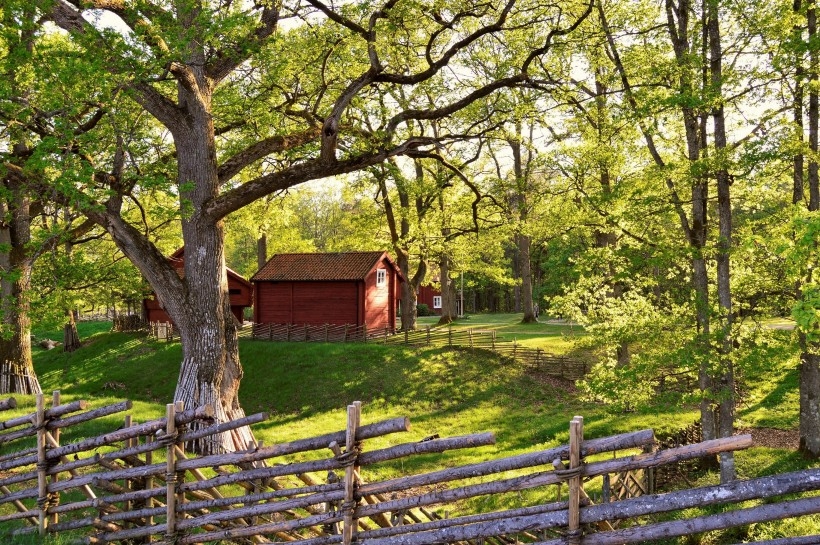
(437, 301)
(381, 277)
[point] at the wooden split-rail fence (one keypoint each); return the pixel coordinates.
(535, 359)
(137, 484)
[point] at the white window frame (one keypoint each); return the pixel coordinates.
(381, 277)
(437, 301)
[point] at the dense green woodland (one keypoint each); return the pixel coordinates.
(648, 169)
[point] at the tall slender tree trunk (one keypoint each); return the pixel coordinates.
(724, 245)
(525, 269)
(810, 352)
(523, 295)
(261, 251)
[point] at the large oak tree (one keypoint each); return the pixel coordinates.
(290, 84)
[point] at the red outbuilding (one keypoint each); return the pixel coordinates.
(239, 290)
(430, 296)
(355, 288)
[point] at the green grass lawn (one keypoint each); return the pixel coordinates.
(306, 386)
(550, 335)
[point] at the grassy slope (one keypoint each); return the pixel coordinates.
(305, 387)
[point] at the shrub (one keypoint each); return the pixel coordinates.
(423, 310)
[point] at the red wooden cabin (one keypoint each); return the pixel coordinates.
(239, 290)
(431, 297)
(356, 288)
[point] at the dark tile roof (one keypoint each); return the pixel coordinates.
(177, 259)
(331, 266)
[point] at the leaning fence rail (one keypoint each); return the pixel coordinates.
(139, 484)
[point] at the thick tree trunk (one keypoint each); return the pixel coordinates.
(17, 374)
(448, 314)
(16, 368)
(810, 405)
(409, 296)
(71, 338)
(210, 372)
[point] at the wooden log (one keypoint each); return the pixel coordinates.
(221, 427)
(74, 506)
(42, 484)
(576, 437)
(468, 519)
(8, 404)
(54, 444)
(390, 453)
(133, 495)
(353, 417)
(90, 415)
(18, 478)
(170, 476)
(263, 509)
(763, 487)
(33, 513)
(593, 446)
(735, 491)
(54, 412)
(368, 431)
(55, 436)
(603, 525)
(534, 480)
(706, 523)
(804, 540)
(17, 454)
(263, 529)
(186, 417)
(18, 505)
(426, 447)
(265, 496)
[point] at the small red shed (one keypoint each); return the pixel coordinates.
(239, 290)
(356, 288)
(431, 297)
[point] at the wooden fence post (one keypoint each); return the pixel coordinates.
(42, 484)
(170, 475)
(470, 334)
(428, 335)
(576, 437)
(55, 401)
(351, 471)
(450, 336)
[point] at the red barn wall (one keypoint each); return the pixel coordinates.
(380, 301)
(425, 296)
(313, 303)
(240, 293)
